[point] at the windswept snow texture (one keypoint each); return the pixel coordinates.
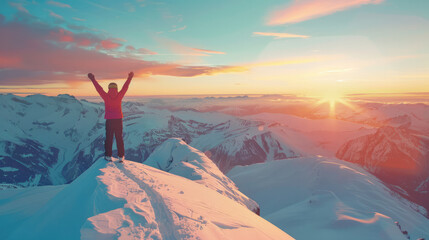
(133, 201)
(177, 157)
(323, 198)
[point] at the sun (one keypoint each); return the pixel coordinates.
(333, 100)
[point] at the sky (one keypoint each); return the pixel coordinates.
(301, 47)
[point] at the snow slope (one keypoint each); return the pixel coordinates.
(134, 201)
(16, 205)
(397, 156)
(330, 199)
(177, 157)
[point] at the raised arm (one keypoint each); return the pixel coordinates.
(97, 86)
(126, 85)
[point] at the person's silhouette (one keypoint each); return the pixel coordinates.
(113, 115)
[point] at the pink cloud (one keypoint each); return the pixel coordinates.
(280, 35)
(62, 35)
(58, 4)
(9, 62)
(84, 39)
(302, 10)
(19, 7)
(179, 49)
(146, 51)
(130, 48)
(56, 15)
(35, 53)
(143, 51)
(79, 19)
(207, 51)
(109, 44)
(83, 42)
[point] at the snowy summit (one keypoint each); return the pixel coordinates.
(129, 201)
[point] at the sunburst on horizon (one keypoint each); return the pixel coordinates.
(333, 100)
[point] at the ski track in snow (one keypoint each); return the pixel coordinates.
(167, 228)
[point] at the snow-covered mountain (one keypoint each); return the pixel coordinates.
(47, 140)
(397, 155)
(389, 150)
(128, 201)
(412, 116)
(52, 140)
(311, 137)
(176, 157)
(326, 198)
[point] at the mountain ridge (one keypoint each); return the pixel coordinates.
(135, 201)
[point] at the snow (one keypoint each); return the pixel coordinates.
(130, 201)
(8, 169)
(328, 198)
(75, 130)
(425, 182)
(311, 136)
(177, 157)
(16, 205)
(304, 196)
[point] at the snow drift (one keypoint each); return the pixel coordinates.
(333, 198)
(132, 201)
(177, 157)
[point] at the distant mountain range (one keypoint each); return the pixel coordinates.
(52, 140)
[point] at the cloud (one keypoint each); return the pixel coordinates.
(58, 4)
(142, 51)
(84, 39)
(100, 6)
(79, 19)
(175, 29)
(285, 62)
(59, 17)
(207, 51)
(145, 51)
(130, 7)
(279, 35)
(302, 10)
(109, 44)
(19, 7)
(35, 53)
(179, 49)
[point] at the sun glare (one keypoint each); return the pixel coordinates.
(333, 100)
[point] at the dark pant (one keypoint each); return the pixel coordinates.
(114, 127)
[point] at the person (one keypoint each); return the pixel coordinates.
(113, 115)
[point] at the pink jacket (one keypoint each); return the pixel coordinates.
(112, 99)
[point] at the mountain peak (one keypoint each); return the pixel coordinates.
(177, 157)
(66, 96)
(135, 201)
